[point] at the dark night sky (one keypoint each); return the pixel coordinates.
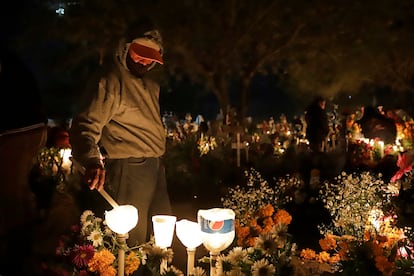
(180, 97)
(268, 97)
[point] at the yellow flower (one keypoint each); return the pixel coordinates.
(132, 263)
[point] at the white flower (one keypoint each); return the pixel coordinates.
(237, 254)
(350, 199)
(263, 268)
(223, 264)
(96, 238)
(87, 227)
(172, 270)
(198, 271)
(87, 215)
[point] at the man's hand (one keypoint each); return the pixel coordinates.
(95, 177)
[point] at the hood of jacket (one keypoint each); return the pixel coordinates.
(152, 37)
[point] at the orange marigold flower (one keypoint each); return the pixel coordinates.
(251, 241)
(256, 230)
(109, 271)
(240, 241)
(336, 258)
(347, 238)
(266, 211)
(282, 216)
(101, 260)
(344, 250)
(367, 235)
(323, 257)
(383, 265)
(343, 254)
(308, 254)
(253, 222)
(243, 232)
(132, 262)
(377, 249)
(328, 242)
(268, 225)
(382, 239)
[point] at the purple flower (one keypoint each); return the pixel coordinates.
(82, 254)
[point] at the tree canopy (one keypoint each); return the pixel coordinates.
(312, 47)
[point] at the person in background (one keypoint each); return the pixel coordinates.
(375, 125)
(58, 137)
(118, 136)
(23, 132)
(317, 124)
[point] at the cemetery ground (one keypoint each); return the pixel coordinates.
(199, 182)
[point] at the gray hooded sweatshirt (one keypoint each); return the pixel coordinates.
(123, 117)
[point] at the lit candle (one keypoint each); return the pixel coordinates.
(163, 233)
(190, 236)
(381, 149)
(121, 220)
(217, 231)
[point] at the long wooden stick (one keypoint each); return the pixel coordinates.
(108, 198)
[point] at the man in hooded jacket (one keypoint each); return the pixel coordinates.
(118, 136)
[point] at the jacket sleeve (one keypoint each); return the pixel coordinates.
(87, 126)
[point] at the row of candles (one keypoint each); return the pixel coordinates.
(379, 147)
(214, 229)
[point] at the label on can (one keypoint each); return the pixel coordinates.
(216, 226)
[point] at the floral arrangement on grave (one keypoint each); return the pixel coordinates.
(263, 245)
(245, 200)
(402, 182)
(363, 236)
(404, 175)
(49, 166)
(205, 144)
(51, 172)
(91, 248)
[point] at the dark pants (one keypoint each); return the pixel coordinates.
(140, 182)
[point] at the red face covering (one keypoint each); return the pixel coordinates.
(136, 68)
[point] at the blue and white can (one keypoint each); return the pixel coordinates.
(217, 228)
